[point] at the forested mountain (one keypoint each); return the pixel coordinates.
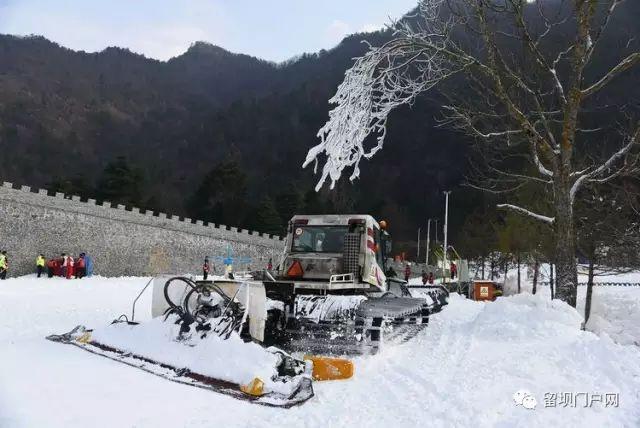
(215, 135)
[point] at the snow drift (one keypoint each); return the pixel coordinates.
(462, 371)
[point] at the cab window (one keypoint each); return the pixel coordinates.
(318, 239)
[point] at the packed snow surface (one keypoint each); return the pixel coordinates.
(464, 370)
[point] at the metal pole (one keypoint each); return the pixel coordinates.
(446, 219)
(436, 274)
(426, 258)
(418, 253)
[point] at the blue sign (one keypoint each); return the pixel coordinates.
(229, 260)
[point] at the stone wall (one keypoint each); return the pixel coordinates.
(121, 240)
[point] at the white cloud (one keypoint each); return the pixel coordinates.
(370, 28)
(336, 31)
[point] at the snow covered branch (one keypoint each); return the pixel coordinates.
(634, 141)
(623, 66)
(526, 212)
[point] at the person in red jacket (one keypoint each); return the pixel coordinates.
(454, 270)
(205, 268)
(51, 267)
(72, 269)
(67, 266)
(407, 272)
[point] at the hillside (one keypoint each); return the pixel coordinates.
(66, 115)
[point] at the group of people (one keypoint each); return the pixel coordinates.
(427, 278)
(65, 266)
(430, 277)
(206, 269)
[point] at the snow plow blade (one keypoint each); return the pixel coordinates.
(325, 368)
(253, 392)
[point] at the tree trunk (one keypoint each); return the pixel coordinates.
(535, 277)
(493, 266)
(587, 303)
(483, 261)
(518, 260)
(506, 269)
(565, 256)
(551, 279)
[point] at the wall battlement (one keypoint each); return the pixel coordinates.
(34, 221)
(73, 202)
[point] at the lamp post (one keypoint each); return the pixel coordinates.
(446, 220)
(426, 257)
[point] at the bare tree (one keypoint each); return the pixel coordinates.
(523, 85)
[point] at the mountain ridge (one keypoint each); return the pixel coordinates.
(65, 115)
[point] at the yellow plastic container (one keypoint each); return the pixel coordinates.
(325, 368)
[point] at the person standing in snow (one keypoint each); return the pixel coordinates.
(453, 269)
(4, 265)
(51, 267)
(205, 268)
(430, 279)
(80, 266)
(71, 267)
(229, 271)
(66, 266)
(407, 272)
(270, 265)
(424, 278)
(40, 265)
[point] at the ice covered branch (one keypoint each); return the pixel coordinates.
(382, 80)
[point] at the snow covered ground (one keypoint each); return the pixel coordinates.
(462, 371)
(615, 310)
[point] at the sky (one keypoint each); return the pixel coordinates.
(275, 30)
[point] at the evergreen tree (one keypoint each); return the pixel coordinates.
(288, 203)
(268, 219)
(77, 185)
(120, 183)
(221, 197)
(478, 239)
(312, 203)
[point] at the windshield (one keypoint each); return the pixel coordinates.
(318, 239)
